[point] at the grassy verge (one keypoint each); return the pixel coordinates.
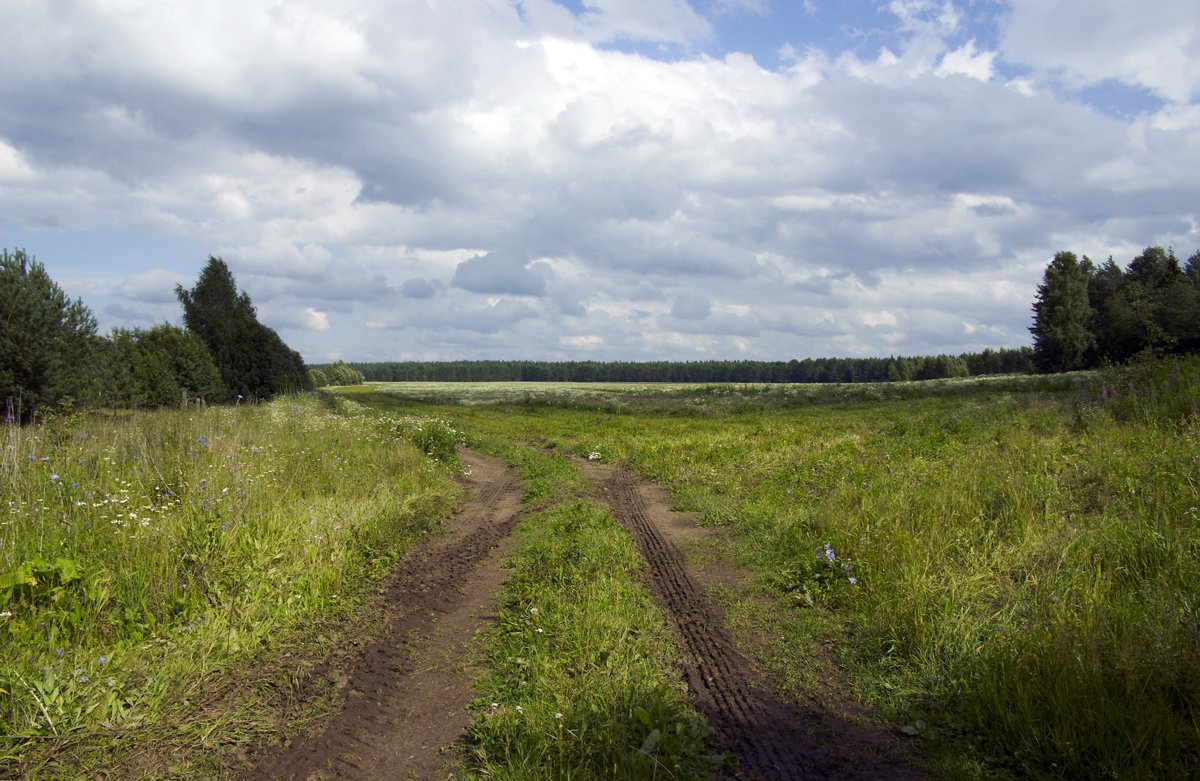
(144, 557)
(1008, 573)
(581, 682)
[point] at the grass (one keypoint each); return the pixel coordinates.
(581, 681)
(1006, 570)
(148, 560)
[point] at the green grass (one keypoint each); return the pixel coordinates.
(581, 681)
(1024, 553)
(146, 558)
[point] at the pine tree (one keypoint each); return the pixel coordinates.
(47, 341)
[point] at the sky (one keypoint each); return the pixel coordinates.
(597, 179)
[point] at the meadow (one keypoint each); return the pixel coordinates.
(158, 570)
(1002, 570)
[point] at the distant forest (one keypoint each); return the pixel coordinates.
(892, 369)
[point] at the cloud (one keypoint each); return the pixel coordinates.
(1086, 41)
(691, 308)
(306, 319)
(966, 61)
(155, 286)
(497, 273)
(493, 178)
(417, 288)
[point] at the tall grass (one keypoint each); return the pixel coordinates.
(581, 681)
(141, 554)
(1010, 575)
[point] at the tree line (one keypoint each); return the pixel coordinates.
(51, 356)
(1086, 315)
(891, 369)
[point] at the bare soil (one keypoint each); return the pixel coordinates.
(768, 737)
(406, 694)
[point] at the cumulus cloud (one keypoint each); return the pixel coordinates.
(496, 273)
(154, 286)
(1083, 41)
(417, 288)
(496, 178)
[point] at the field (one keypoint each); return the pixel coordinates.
(1000, 572)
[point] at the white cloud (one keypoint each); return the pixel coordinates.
(13, 167)
(966, 61)
(1087, 41)
(486, 179)
(154, 286)
(314, 320)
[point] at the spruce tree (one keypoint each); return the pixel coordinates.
(254, 362)
(1062, 316)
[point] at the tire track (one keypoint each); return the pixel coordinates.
(405, 700)
(769, 738)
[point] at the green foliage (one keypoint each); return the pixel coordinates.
(317, 378)
(145, 555)
(341, 374)
(155, 368)
(252, 359)
(1025, 560)
(1152, 391)
(809, 370)
(37, 579)
(1151, 307)
(47, 342)
(580, 681)
(435, 438)
(1062, 316)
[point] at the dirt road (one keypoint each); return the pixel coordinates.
(407, 697)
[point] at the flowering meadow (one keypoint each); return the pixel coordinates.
(1005, 573)
(142, 554)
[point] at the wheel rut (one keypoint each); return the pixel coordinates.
(405, 695)
(769, 738)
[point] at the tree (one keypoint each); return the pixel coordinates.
(1062, 315)
(252, 359)
(341, 374)
(47, 341)
(155, 368)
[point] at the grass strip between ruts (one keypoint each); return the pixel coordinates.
(581, 682)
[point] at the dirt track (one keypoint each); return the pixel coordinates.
(406, 694)
(407, 697)
(770, 739)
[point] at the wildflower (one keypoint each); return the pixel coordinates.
(558, 715)
(53, 477)
(853, 581)
(6, 615)
(102, 659)
(533, 611)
